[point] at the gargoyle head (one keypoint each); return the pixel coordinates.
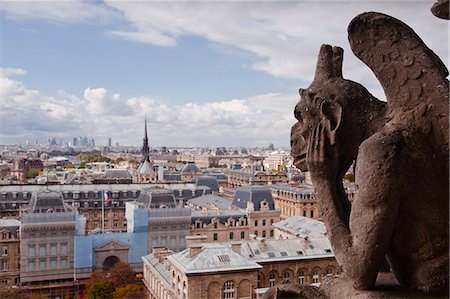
(340, 105)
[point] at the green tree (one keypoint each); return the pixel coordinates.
(33, 172)
(102, 289)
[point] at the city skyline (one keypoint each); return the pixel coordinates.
(204, 73)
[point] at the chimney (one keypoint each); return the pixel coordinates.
(195, 249)
(191, 240)
(261, 243)
(236, 247)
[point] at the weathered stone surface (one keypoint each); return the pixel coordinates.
(441, 9)
(400, 212)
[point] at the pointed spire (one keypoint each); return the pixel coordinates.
(145, 149)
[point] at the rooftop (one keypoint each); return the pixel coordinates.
(302, 227)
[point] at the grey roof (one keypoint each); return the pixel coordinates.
(210, 201)
(254, 194)
(146, 168)
(302, 227)
(46, 200)
(9, 224)
(222, 216)
(117, 173)
(286, 249)
(212, 258)
(190, 167)
(157, 198)
(159, 267)
(208, 181)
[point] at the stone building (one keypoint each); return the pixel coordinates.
(189, 171)
(47, 244)
(244, 177)
(10, 251)
(168, 221)
(251, 212)
(237, 269)
(301, 200)
(299, 227)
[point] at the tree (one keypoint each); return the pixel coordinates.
(33, 172)
(122, 274)
(129, 291)
(101, 289)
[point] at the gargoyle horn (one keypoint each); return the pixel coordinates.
(329, 63)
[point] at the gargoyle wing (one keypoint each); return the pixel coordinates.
(412, 76)
(408, 70)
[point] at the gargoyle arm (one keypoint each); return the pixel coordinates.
(361, 244)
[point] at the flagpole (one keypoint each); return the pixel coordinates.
(103, 211)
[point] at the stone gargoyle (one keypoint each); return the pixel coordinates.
(400, 212)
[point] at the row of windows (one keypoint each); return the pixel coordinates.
(166, 241)
(43, 250)
(315, 276)
(242, 235)
(53, 265)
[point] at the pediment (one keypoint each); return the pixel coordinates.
(112, 245)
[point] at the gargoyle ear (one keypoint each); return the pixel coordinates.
(332, 115)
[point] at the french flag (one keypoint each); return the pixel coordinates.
(107, 199)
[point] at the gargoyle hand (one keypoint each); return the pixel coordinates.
(322, 157)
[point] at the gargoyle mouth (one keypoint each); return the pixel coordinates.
(300, 162)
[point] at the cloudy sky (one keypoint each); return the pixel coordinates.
(205, 73)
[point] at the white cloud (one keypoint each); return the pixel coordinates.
(61, 11)
(11, 72)
(27, 114)
(284, 36)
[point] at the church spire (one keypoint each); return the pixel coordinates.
(145, 149)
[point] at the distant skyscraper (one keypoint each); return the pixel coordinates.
(109, 142)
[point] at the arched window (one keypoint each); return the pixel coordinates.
(287, 276)
(330, 271)
(228, 290)
(272, 279)
(259, 281)
(301, 277)
(315, 276)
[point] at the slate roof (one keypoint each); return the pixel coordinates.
(46, 200)
(208, 181)
(117, 173)
(156, 198)
(212, 258)
(160, 267)
(209, 200)
(146, 168)
(302, 227)
(287, 249)
(254, 194)
(190, 167)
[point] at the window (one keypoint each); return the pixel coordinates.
(304, 213)
(63, 263)
(42, 265)
(115, 223)
(4, 265)
(259, 281)
(42, 250)
(173, 241)
(264, 222)
(30, 266)
(231, 235)
(272, 279)
(264, 234)
(215, 224)
(256, 233)
(301, 277)
(63, 248)
(53, 264)
(242, 235)
(315, 276)
(154, 242)
(271, 221)
(215, 236)
(312, 213)
(96, 224)
(228, 290)
(5, 250)
(31, 252)
(330, 271)
(256, 222)
(287, 276)
(271, 233)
